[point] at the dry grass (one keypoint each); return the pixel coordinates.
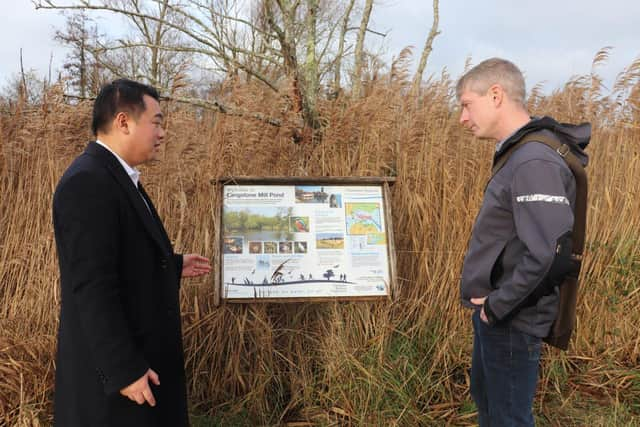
(399, 363)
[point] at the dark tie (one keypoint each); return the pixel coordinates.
(141, 192)
(154, 215)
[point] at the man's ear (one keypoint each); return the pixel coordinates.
(497, 94)
(121, 122)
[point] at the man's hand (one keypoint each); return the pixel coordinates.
(480, 302)
(140, 391)
(194, 265)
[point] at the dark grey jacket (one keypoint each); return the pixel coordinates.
(527, 208)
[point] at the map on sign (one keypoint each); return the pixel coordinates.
(363, 218)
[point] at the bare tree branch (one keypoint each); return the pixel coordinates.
(378, 33)
(357, 71)
(428, 46)
(23, 93)
(341, 41)
(230, 111)
(286, 45)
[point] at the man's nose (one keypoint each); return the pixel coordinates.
(463, 117)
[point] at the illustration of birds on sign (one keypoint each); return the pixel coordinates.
(277, 273)
(301, 225)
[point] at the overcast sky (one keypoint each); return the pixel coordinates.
(550, 40)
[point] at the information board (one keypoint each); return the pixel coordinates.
(308, 239)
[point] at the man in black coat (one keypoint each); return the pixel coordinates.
(120, 360)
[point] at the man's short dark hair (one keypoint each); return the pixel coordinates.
(119, 95)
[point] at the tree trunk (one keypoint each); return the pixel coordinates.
(303, 95)
(357, 69)
(156, 59)
(83, 65)
(341, 40)
(287, 48)
(428, 46)
(311, 83)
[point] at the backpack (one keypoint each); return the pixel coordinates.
(562, 327)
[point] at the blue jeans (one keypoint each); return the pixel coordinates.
(504, 373)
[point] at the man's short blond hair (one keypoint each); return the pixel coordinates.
(494, 71)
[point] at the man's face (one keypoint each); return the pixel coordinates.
(146, 132)
(478, 113)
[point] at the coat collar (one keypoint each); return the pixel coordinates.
(152, 225)
(576, 136)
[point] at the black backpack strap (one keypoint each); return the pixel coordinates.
(562, 327)
(572, 161)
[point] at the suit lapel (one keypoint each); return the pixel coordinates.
(125, 183)
(155, 215)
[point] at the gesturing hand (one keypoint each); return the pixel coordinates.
(194, 265)
(140, 391)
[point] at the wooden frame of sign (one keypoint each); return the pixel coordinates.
(296, 239)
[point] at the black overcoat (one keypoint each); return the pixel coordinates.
(120, 312)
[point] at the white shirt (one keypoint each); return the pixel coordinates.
(133, 173)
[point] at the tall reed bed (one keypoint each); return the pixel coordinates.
(400, 362)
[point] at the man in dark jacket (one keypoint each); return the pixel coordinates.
(120, 360)
(526, 215)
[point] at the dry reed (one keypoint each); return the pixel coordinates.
(389, 363)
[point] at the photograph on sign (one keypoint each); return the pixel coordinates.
(304, 241)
